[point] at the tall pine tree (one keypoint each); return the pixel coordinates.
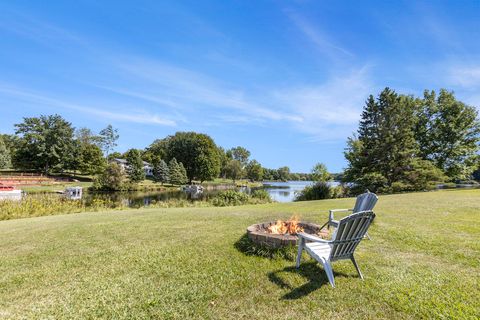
(161, 172)
(384, 157)
(178, 174)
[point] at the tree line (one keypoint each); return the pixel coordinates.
(50, 144)
(407, 143)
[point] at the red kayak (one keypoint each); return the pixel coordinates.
(6, 188)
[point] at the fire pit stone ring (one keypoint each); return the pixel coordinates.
(259, 235)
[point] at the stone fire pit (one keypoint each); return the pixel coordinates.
(258, 234)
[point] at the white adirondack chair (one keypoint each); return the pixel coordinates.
(365, 202)
(347, 236)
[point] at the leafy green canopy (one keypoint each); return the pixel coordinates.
(386, 156)
(196, 151)
(448, 134)
(135, 170)
(233, 169)
(320, 173)
(112, 179)
(5, 159)
(254, 170)
(108, 139)
(46, 143)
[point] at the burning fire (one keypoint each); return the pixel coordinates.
(282, 227)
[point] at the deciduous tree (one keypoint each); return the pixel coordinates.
(45, 143)
(254, 170)
(234, 170)
(5, 159)
(108, 138)
(320, 173)
(113, 178)
(448, 134)
(197, 152)
(240, 154)
(135, 170)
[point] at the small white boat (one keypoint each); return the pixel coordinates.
(10, 193)
(73, 193)
(194, 191)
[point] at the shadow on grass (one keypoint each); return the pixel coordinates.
(249, 248)
(312, 271)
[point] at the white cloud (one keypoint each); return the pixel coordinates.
(194, 90)
(465, 76)
(136, 117)
(330, 111)
(326, 111)
(320, 39)
(38, 30)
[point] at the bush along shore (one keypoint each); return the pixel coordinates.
(51, 204)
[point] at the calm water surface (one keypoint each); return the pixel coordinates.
(279, 191)
(285, 191)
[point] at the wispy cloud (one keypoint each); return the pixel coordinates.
(330, 110)
(38, 30)
(143, 96)
(325, 111)
(466, 76)
(196, 90)
(136, 117)
(320, 39)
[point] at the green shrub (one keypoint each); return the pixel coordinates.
(230, 198)
(339, 192)
(318, 191)
(261, 194)
(372, 181)
(398, 186)
(112, 179)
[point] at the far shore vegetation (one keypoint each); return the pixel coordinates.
(403, 144)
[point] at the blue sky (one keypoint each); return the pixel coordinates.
(285, 79)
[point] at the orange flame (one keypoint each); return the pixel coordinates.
(282, 227)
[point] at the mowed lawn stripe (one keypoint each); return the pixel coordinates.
(182, 263)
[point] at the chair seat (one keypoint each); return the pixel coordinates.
(333, 223)
(318, 250)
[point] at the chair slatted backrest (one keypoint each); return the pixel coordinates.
(349, 233)
(365, 202)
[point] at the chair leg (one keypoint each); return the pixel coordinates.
(356, 266)
(329, 271)
(301, 243)
(367, 236)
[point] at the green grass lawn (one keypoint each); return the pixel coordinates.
(182, 263)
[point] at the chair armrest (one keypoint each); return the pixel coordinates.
(311, 237)
(331, 212)
(340, 210)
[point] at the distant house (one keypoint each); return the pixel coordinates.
(147, 167)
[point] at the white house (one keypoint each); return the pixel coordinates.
(147, 167)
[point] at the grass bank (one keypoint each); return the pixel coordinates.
(178, 263)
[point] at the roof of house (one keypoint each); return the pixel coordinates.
(123, 161)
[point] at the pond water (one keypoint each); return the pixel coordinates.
(285, 191)
(279, 191)
(140, 198)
